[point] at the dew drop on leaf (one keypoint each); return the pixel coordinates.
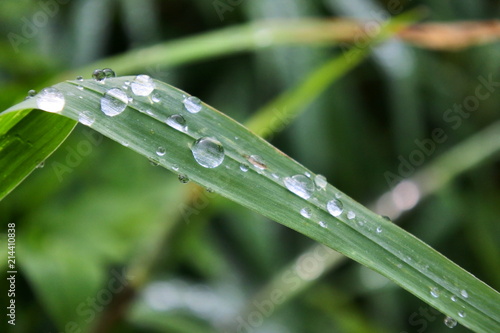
(99, 75)
(114, 102)
(335, 207)
(322, 224)
(379, 230)
(108, 73)
(143, 85)
(320, 182)
(86, 118)
(183, 179)
(306, 212)
(208, 152)
(450, 322)
(351, 215)
(435, 292)
(192, 104)
(161, 151)
(50, 100)
(178, 122)
(299, 185)
(462, 314)
(464, 293)
(244, 167)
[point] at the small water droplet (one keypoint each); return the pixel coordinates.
(87, 118)
(192, 104)
(275, 176)
(175, 167)
(338, 195)
(183, 179)
(114, 102)
(307, 174)
(244, 167)
(208, 152)
(99, 75)
(79, 78)
(462, 314)
(306, 212)
(453, 298)
(155, 98)
(322, 224)
(361, 223)
(351, 215)
(51, 100)
(435, 292)
(464, 293)
(257, 162)
(450, 322)
(40, 165)
(108, 73)
(31, 93)
(300, 185)
(178, 122)
(335, 207)
(320, 182)
(143, 85)
(379, 230)
(209, 190)
(387, 218)
(161, 151)
(153, 161)
(79, 87)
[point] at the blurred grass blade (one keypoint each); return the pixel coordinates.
(26, 140)
(140, 122)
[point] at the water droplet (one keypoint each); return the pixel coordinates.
(464, 293)
(161, 151)
(40, 165)
(178, 122)
(79, 87)
(275, 176)
(300, 185)
(462, 314)
(143, 85)
(435, 292)
(51, 100)
(192, 104)
(450, 322)
(127, 83)
(338, 195)
(208, 152)
(155, 98)
(361, 223)
(108, 73)
(86, 118)
(387, 218)
(306, 212)
(320, 182)
(99, 75)
(209, 190)
(175, 167)
(453, 298)
(379, 230)
(183, 179)
(351, 215)
(153, 161)
(257, 162)
(31, 93)
(322, 224)
(307, 174)
(244, 167)
(114, 102)
(335, 207)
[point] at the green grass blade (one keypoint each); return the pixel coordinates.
(368, 238)
(26, 140)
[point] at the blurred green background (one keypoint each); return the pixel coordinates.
(195, 268)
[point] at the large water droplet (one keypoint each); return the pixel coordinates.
(450, 322)
(114, 102)
(335, 207)
(257, 162)
(300, 185)
(306, 212)
(320, 182)
(464, 293)
(99, 75)
(208, 152)
(51, 100)
(435, 292)
(192, 104)
(161, 151)
(178, 122)
(108, 73)
(87, 118)
(143, 85)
